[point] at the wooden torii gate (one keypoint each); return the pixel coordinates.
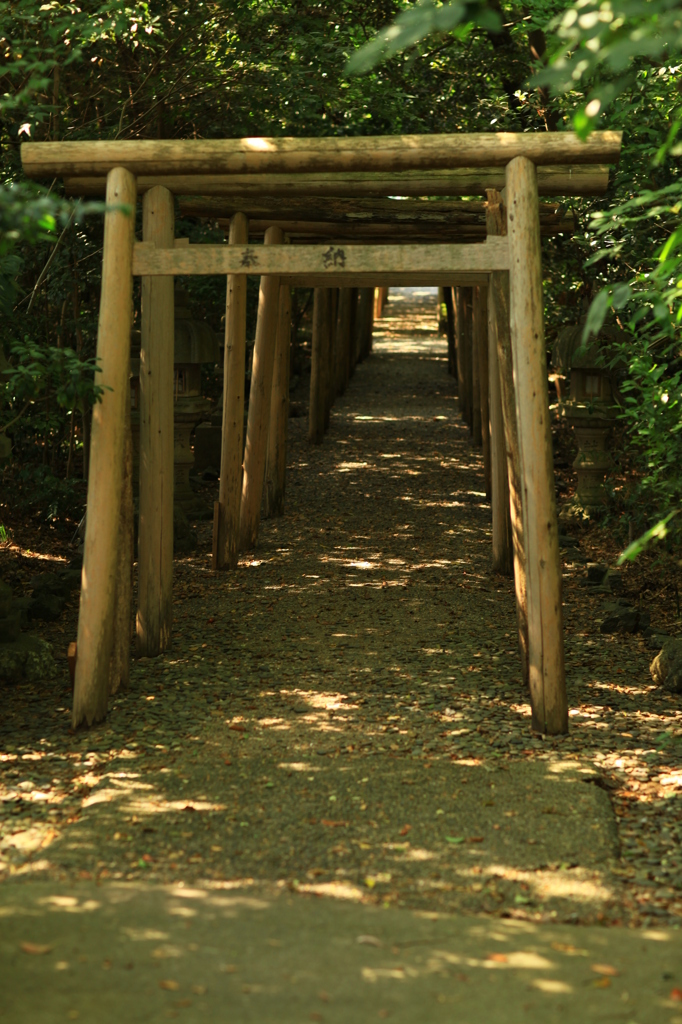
(523, 164)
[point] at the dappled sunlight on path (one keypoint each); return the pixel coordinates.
(345, 714)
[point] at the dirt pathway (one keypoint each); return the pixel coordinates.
(344, 715)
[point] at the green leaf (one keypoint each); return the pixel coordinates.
(454, 839)
(657, 532)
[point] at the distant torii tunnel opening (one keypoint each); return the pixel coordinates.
(309, 197)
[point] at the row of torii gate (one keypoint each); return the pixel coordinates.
(328, 222)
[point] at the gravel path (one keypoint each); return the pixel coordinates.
(344, 714)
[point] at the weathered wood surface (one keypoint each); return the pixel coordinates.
(289, 260)
(276, 470)
(498, 299)
(155, 536)
(578, 180)
(258, 423)
(318, 368)
(546, 674)
(107, 445)
(330, 154)
(226, 544)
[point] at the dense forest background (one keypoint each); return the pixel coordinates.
(212, 70)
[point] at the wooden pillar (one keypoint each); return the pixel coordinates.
(330, 347)
(464, 355)
(258, 423)
(123, 609)
(480, 317)
(452, 349)
(341, 358)
(155, 534)
(275, 476)
(498, 297)
(105, 479)
(226, 544)
(546, 674)
(499, 483)
(363, 331)
(317, 380)
(476, 341)
(353, 325)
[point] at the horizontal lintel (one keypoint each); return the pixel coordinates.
(321, 260)
(329, 154)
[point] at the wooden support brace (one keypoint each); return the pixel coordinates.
(546, 674)
(107, 446)
(226, 544)
(258, 424)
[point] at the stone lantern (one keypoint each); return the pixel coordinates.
(195, 343)
(587, 401)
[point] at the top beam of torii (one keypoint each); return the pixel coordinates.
(381, 153)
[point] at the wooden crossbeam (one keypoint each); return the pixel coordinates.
(321, 260)
(562, 180)
(360, 213)
(386, 234)
(287, 155)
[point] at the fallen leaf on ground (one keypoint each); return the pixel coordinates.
(601, 983)
(169, 984)
(199, 990)
(498, 958)
(676, 995)
(565, 947)
(404, 830)
(328, 823)
(454, 839)
(607, 969)
(368, 940)
(35, 948)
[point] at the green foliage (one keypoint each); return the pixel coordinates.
(600, 44)
(416, 22)
(657, 532)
